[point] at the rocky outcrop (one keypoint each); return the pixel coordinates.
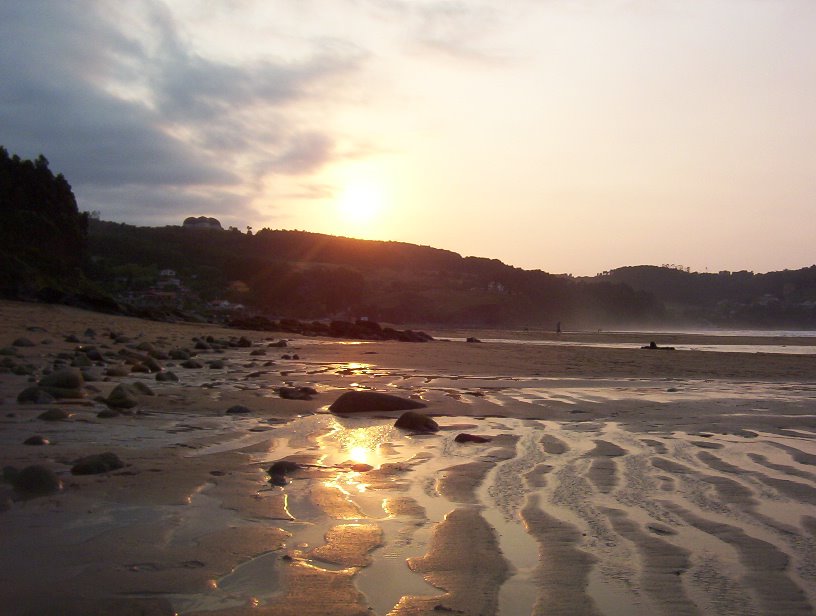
(372, 402)
(417, 422)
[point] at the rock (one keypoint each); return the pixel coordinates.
(411, 420)
(372, 402)
(108, 414)
(36, 480)
(23, 369)
(94, 354)
(471, 438)
(118, 370)
(297, 393)
(22, 342)
(65, 383)
(89, 375)
(72, 338)
(34, 395)
(123, 396)
(81, 361)
(179, 354)
(54, 415)
(90, 333)
(96, 464)
(192, 364)
(653, 346)
(278, 344)
(36, 440)
(238, 410)
(472, 339)
(142, 388)
(216, 364)
(244, 342)
(257, 352)
(166, 376)
(279, 470)
(152, 365)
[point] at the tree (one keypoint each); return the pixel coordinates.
(43, 236)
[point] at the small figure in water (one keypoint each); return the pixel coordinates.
(558, 327)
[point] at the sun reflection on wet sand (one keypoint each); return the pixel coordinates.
(348, 447)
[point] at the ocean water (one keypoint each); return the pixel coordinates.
(759, 341)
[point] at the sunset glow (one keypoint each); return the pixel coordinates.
(568, 137)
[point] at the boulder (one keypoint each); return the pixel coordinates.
(36, 440)
(473, 339)
(66, 383)
(471, 438)
(123, 396)
(96, 464)
(372, 402)
(297, 393)
(278, 344)
(36, 480)
(238, 410)
(22, 342)
(118, 370)
(244, 342)
(167, 376)
(34, 395)
(279, 470)
(142, 388)
(192, 364)
(54, 415)
(418, 422)
(81, 361)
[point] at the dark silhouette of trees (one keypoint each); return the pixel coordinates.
(43, 236)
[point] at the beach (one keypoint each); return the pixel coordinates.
(613, 480)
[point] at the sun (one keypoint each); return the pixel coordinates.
(361, 202)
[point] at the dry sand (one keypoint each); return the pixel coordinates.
(618, 480)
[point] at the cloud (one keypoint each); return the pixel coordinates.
(143, 124)
(452, 28)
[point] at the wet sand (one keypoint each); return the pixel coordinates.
(617, 481)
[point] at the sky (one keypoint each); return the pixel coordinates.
(572, 136)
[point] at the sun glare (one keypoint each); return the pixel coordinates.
(359, 455)
(361, 202)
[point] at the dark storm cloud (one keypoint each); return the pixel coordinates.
(123, 107)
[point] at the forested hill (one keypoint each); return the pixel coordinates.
(50, 250)
(774, 299)
(309, 275)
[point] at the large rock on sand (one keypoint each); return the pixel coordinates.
(35, 480)
(63, 383)
(123, 396)
(372, 402)
(96, 464)
(411, 420)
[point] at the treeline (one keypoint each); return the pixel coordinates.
(43, 236)
(770, 300)
(308, 275)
